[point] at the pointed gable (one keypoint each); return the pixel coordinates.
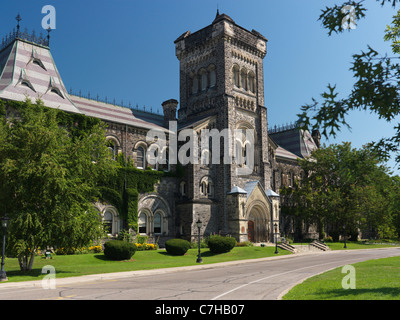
(255, 190)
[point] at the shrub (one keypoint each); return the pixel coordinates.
(119, 250)
(146, 246)
(244, 244)
(142, 239)
(95, 249)
(221, 244)
(69, 251)
(177, 247)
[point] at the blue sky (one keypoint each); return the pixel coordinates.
(124, 49)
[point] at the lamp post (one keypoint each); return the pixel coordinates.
(276, 238)
(4, 224)
(344, 236)
(199, 225)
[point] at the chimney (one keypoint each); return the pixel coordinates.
(169, 108)
(316, 135)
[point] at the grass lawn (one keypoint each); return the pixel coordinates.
(353, 245)
(84, 264)
(358, 245)
(374, 280)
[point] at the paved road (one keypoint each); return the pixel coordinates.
(264, 279)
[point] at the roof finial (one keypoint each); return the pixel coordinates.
(18, 18)
(48, 36)
(217, 10)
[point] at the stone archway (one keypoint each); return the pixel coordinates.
(151, 205)
(259, 224)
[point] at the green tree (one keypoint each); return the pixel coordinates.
(376, 86)
(344, 189)
(394, 203)
(49, 175)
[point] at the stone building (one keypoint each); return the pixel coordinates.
(221, 90)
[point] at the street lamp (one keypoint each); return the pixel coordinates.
(276, 238)
(344, 236)
(4, 224)
(199, 225)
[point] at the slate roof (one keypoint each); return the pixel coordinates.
(28, 70)
(236, 190)
(117, 114)
(294, 142)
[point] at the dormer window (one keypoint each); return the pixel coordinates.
(39, 63)
(27, 83)
(24, 81)
(36, 60)
(53, 88)
(57, 91)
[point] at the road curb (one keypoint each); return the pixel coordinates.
(140, 273)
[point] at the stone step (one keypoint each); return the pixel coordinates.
(286, 246)
(320, 245)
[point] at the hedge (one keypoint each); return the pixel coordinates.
(177, 247)
(119, 250)
(221, 244)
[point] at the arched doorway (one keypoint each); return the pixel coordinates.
(250, 230)
(259, 224)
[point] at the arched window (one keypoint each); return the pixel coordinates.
(108, 222)
(239, 152)
(142, 223)
(252, 84)
(210, 189)
(113, 148)
(204, 80)
(164, 161)
(140, 157)
(244, 143)
(205, 157)
(203, 188)
(195, 84)
(291, 179)
(182, 188)
(243, 79)
(152, 156)
(157, 223)
(235, 75)
(206, 187)
(213, 77)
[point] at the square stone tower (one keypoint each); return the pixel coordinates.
(222, 87)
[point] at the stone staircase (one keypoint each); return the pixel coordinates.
(319, 245)
(315, 246)
(287, 246)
